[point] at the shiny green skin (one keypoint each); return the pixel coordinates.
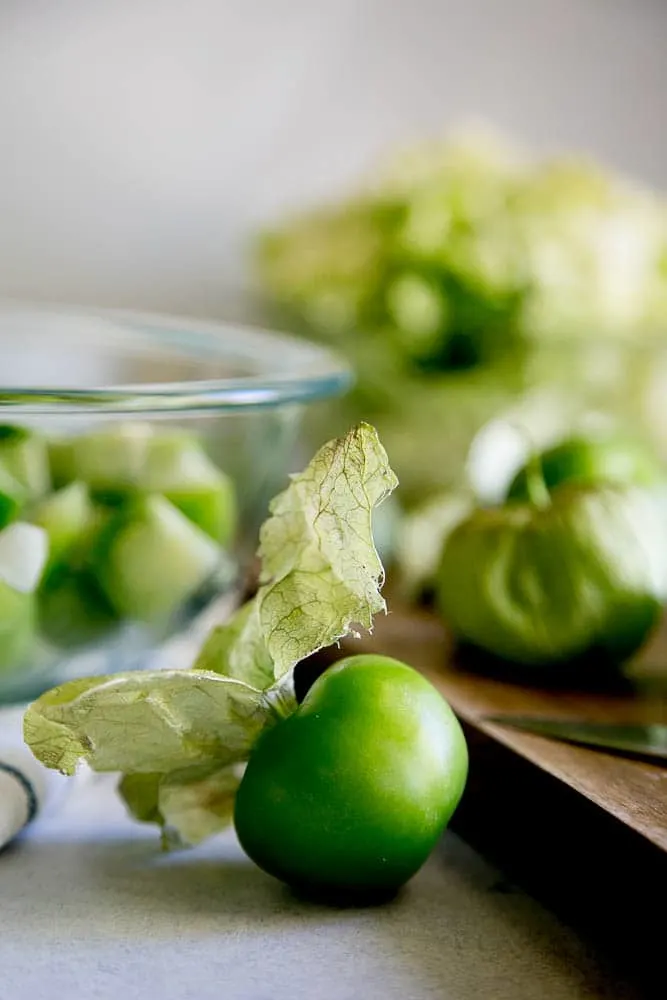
(352, 792)
(542, 586)
(588, 460)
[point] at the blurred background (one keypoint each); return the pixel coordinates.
(144, 140)
(501, 292)
(467, 202)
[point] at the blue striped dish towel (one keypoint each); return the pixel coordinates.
(26, 788)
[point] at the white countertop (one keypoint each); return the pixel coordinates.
(90, 910)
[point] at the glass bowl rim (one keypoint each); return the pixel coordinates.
(317, 374)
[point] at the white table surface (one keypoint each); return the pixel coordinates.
(90, 910)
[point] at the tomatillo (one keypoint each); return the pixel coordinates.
(594, 459)
(350, 794)
(542, 584)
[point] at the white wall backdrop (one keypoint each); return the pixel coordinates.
(141, 140)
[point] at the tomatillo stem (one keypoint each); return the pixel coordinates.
(281, 697)
(536, 487)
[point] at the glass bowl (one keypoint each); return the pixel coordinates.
(137, 457)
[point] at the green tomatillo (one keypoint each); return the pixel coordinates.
(591, 459)
(540, 583)
(350, 793)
